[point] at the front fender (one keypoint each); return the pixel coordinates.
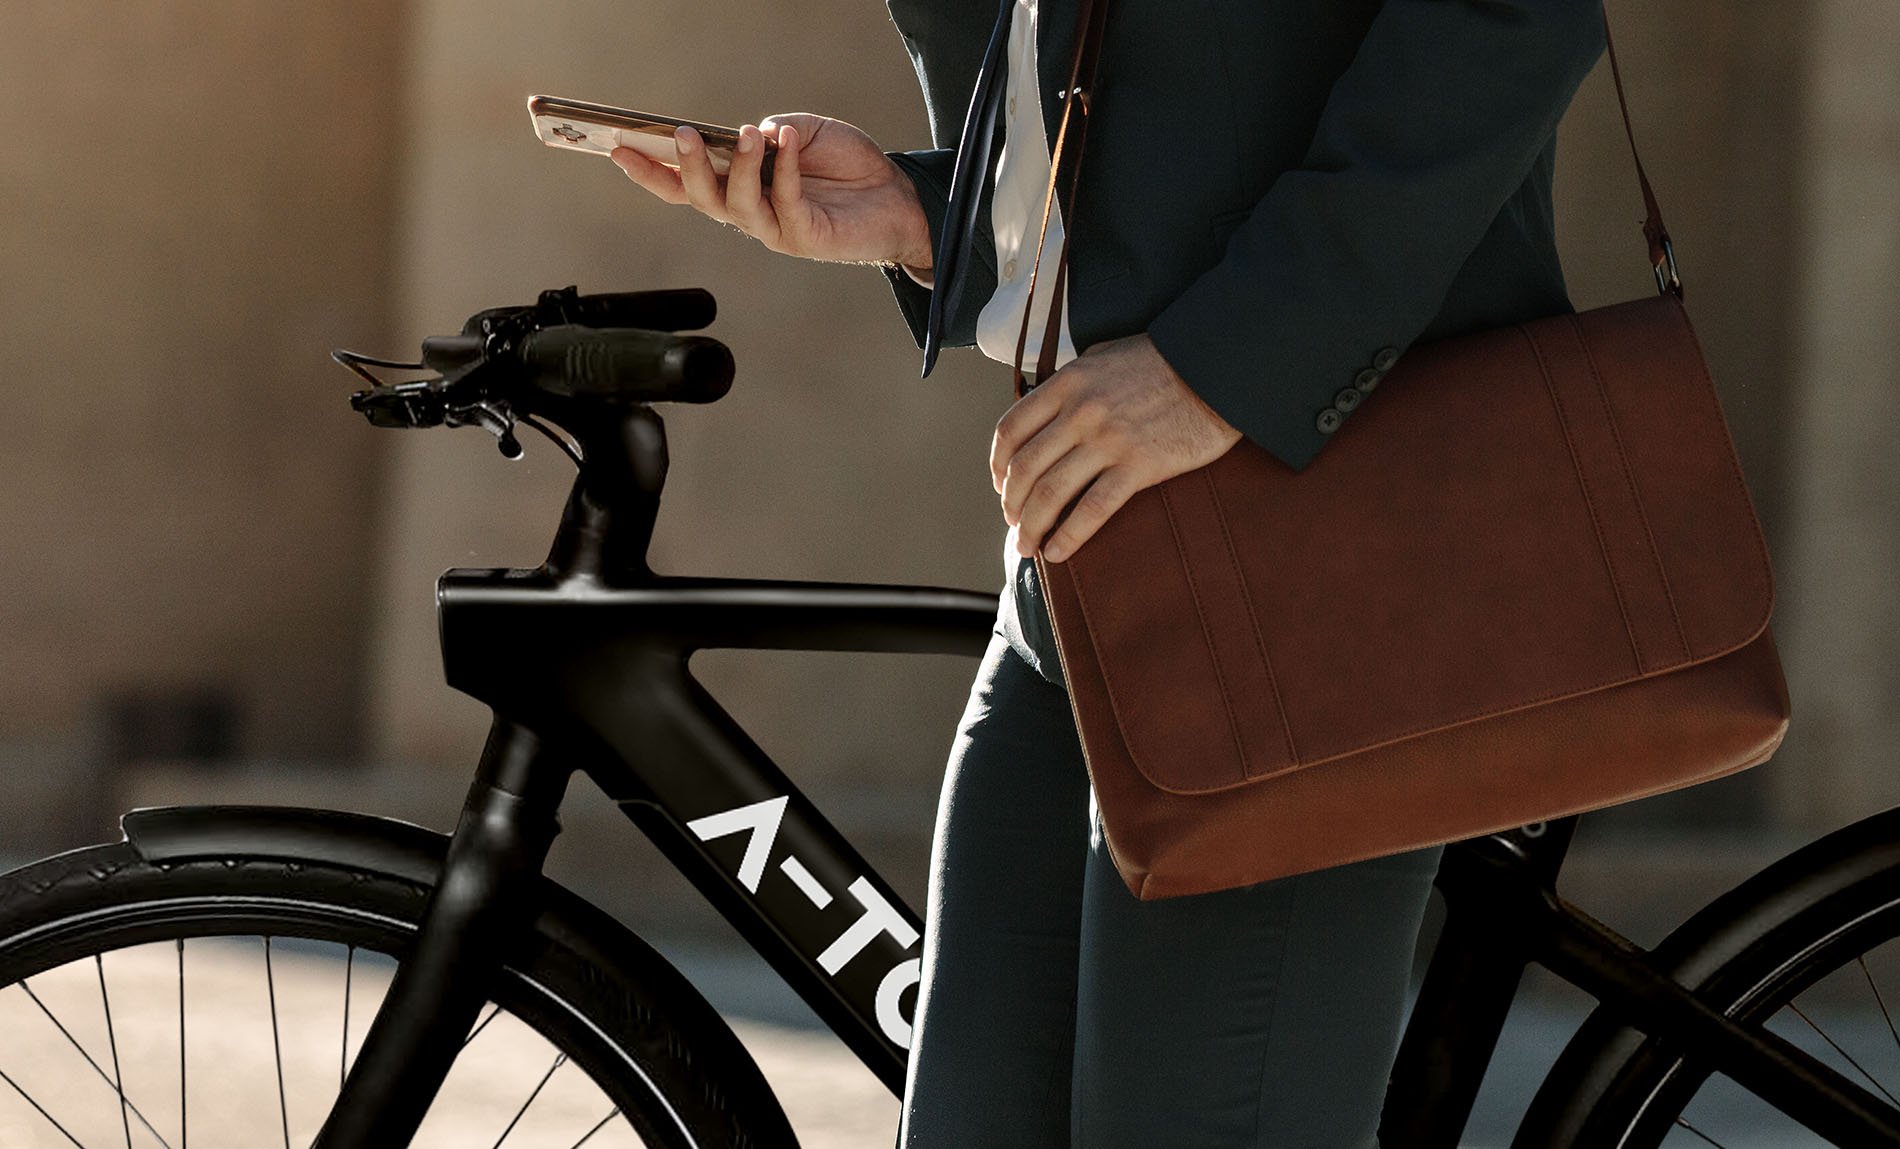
(358, 841)
(391, 848)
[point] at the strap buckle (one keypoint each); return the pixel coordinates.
(1671, 281)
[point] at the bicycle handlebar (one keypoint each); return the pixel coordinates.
(667, 309)
(573, 358)
(675, 309)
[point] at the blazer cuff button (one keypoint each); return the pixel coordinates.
(1328, 421)
(1385, 357)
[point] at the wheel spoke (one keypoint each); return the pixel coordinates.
(129, 1109)
(112, 1040)
(559, 1061)
(41, 1108)
(114, 1078)
(96, 1067)
(1881, 1001)
(343, 1055)
(59, 1085)
(184, 1126)
(1699, 1133)
(1837, 1048)
(479, 1026)
(589, 1135)
(277, 1047)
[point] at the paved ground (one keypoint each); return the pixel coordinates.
(233, 1089)
(58, 1058)
(834, 1102)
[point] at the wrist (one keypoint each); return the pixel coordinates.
(914, 254)
(921, 276)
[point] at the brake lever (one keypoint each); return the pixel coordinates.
(491, 415)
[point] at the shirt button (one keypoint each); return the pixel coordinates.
(1012, 107)
(1385, 357)
(1366, 380)
(1347, 399)
(1009, 270)
(1328, 421)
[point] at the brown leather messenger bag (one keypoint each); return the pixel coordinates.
(1525, 581)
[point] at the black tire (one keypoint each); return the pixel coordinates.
(643, 1034)
(1809, 923)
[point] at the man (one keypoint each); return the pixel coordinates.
(1278, 198)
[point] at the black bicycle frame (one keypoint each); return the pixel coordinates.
(584, 663)
(1502, 913)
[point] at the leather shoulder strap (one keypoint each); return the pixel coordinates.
(1662, 253)
(1090, 16)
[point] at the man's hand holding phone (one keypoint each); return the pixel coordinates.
(834, 194)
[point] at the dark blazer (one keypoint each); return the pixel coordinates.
(1285, 194)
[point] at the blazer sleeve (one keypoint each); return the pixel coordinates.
(929, 170)
(1348, 256)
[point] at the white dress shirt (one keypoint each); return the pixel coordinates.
(1022, 182)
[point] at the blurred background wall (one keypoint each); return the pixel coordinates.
(195, 200)
(217, 580)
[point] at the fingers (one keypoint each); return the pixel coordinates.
(1028, 468)
(1054, 490)
(745, 204)
(787, 192)
(1111, 489)
(1024, 418)
(652, 175)
(697, 176)
(737, 198)
(1056, 457)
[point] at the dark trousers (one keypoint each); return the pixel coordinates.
(1056, 1009)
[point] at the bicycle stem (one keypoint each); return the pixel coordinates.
(608, 521)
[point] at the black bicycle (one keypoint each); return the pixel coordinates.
(257, 975)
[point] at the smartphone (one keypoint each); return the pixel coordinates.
(598, 128)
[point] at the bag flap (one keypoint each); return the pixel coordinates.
(1515, 516)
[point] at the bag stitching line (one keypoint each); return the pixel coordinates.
(1558, 695)
(1720, 771)
(1596, 523)
(1629, 480)
(1253, 618)
(1226, 697)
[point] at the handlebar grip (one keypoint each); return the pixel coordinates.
(627, 364)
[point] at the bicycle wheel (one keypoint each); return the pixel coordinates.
(1811, 952)
(219, 1001)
